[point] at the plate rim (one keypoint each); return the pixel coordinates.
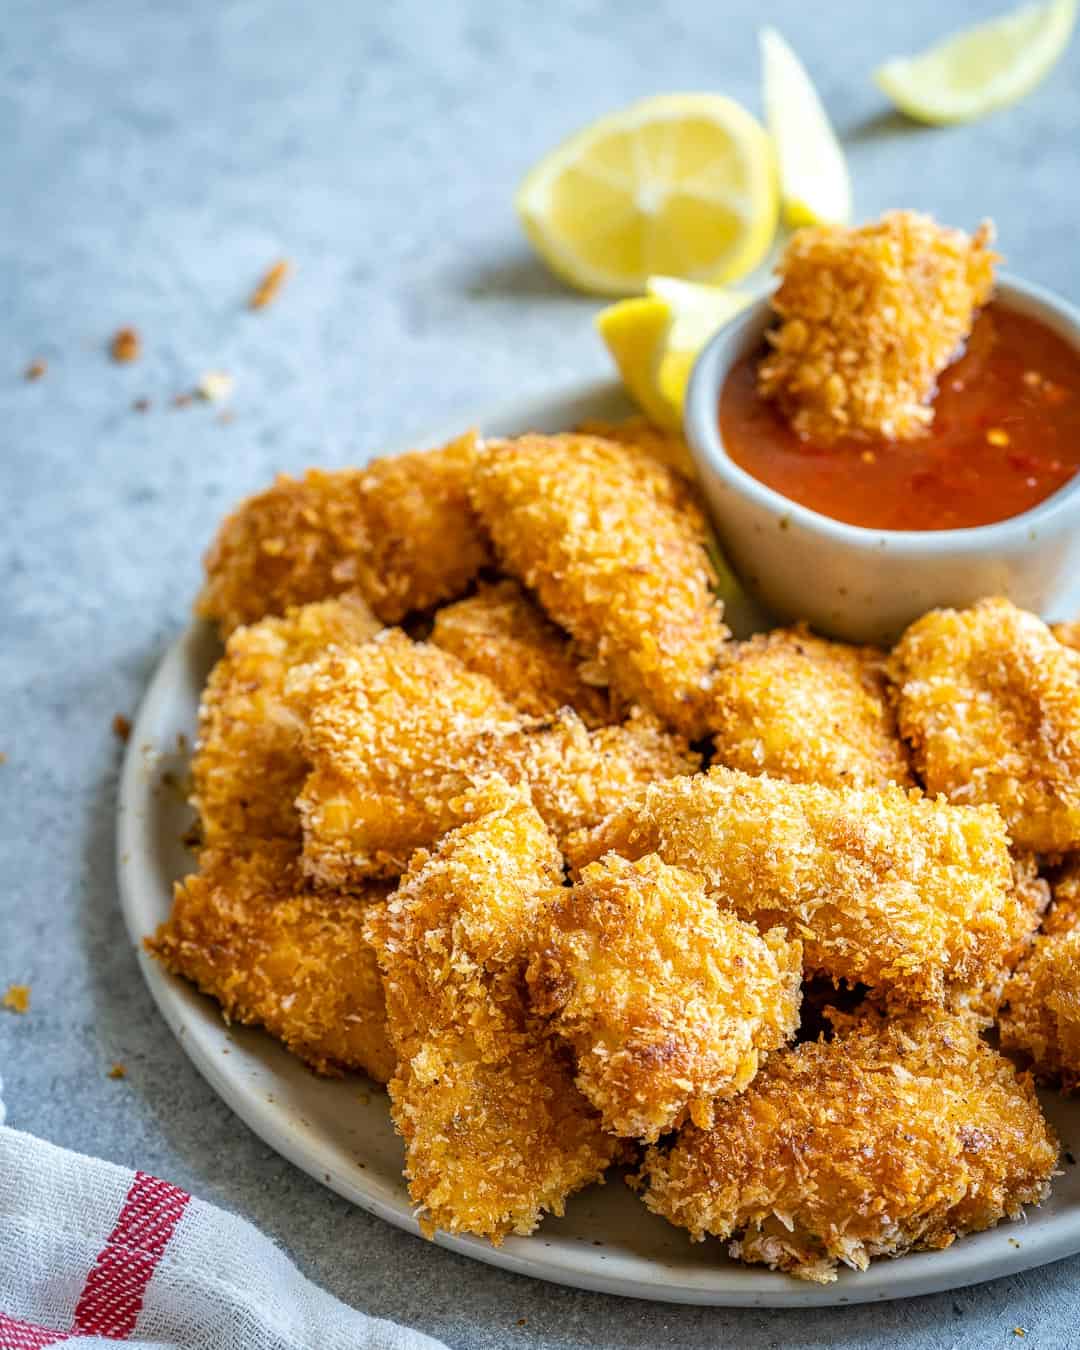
(911, 1275)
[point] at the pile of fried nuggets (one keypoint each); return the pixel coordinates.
(479, 856)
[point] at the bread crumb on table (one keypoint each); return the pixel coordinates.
(17, 998)
(36, 369)
(126, 345)
(121, 727)
(272, 281)
(118, 1071)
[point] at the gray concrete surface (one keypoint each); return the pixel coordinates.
(153, 158)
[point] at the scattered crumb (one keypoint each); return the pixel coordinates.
(522, 1321)
(1019, 1331)
(121, 727)
(1013, 1242)
(118, 1071)
(141, 405)
(17, 998)
(181, 400)
(273, 280)
(36, 369)
(3, 757)
(126, 345)
(215, 386)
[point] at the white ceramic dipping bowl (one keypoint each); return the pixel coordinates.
(867, 585)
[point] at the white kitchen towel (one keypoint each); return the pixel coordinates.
(92, 1254)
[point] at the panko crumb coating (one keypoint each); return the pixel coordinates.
(799, 707)
(1031, 893)
(615, 548)
(495, 1131)
(1041, 1003)
(870, 316)
(248, 766)
(896, 1134)
(909, 896)
(989, 700)
(400, 533)
(667, 1000)
(666, 447)
(499, 632)
(250, 933)
(398, 731)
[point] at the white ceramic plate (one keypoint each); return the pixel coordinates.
(339, 1131)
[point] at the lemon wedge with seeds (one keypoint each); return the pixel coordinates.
(980, 69)
(655, 339)
(680, 184)
(815, 186)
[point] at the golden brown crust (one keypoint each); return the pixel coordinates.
(1041, 1003)
(893, 1135)
(667, 1001)
(614, 547)
(910, 896)
(499, 632)
(397, 732)
(666, 447)
(248, 931)
(990, 703)
(400, 533)
(796, 706)
(248, 766)
(495, 1131)
(869, 317)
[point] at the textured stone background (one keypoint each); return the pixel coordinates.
(155, 157)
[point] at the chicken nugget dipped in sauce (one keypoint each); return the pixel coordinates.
(869, 317)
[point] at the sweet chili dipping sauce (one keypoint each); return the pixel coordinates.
(1005, 435)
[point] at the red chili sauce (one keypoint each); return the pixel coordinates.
(1005, 435)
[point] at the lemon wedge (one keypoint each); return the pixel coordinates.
(980, 69)
(815, 186)
(655, 339)
(680, 184)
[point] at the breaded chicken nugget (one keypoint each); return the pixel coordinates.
(911, 897)
(795, 706)
(249, 932)
(398, 731)
(895, 1134)
(668, 1001)
(495, 1131)
(499, 632)
(614, 548)
(666, 447)
(869, 317)
(1031, 894)
(248, 766)
(990, 702)
(400, 533)
(1041, 1014)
